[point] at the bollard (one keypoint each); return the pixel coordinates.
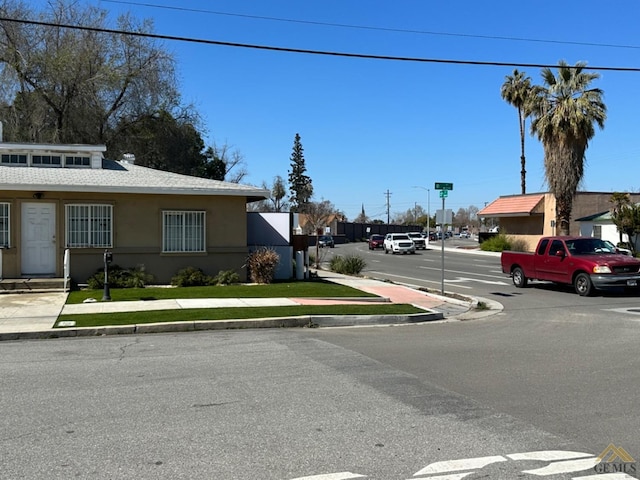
(108, 258)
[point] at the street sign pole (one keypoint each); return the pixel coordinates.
(444, 188)
(442, 249)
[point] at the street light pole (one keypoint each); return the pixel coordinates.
(428, 215)
(428, 208)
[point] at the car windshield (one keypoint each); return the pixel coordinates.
(588, 246)
(401, 237)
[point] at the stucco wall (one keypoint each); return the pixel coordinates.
(532, 225)
(137, 233)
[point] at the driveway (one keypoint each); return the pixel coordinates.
(30, 312)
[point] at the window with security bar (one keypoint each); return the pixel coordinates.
(183, 231)
(4, 225)
(89, 226)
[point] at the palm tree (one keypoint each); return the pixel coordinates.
(620, 201)
(564, 112)
(516, 90)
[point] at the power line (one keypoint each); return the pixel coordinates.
(309, 52)
(381, 29)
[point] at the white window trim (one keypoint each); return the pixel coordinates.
(91, 234)
(7, 205)
(182, 240)
(93, 161)
(17, 164)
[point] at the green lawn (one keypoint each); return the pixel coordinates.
(236, 313)
(315, 289)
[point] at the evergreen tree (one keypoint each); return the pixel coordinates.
(362, 218)
(299, 184)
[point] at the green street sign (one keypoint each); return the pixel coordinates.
(444, 193)
(444, 186)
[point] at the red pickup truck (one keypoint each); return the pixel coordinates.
(584, 262)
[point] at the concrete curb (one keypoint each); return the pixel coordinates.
(309, 321)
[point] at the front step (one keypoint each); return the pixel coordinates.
(32, 285)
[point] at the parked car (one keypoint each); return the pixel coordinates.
(398, 243)
(613, 248)
(376, 241)
(326, 241)
(418, 240)
(465, 234)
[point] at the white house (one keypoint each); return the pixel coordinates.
(600, 225)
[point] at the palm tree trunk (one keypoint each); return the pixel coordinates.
(523, 171)
(563, 215)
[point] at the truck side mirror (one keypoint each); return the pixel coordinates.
(560, 253)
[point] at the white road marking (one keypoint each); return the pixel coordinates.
(627, 310)
(548, 455)
(453, 476)
(332, 476)
(445, 470)
(606, 476)
(463, 464)
(502, 276)
(435, 282)
(565, 467)
(464, 279)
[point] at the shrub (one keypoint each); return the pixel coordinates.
(192, 277)
(349, 265)
(261, 265)
(226, 277)
(497, 243)
(138, 277)
(119, 277)
(518, 245)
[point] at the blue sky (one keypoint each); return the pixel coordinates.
(369, 127)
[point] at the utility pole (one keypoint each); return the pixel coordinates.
(388, 195)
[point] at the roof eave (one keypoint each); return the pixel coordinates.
(68, 147)
(510, 214)
(253, 193)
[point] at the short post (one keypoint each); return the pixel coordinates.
(67, 269)
(108, 258)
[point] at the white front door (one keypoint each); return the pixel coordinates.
(38, 239)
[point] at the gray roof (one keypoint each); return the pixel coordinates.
(606, 215)
(120, 177)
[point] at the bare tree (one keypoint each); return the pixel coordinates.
(274, 203)
(79, 86)
(278, 192)
(318, 215)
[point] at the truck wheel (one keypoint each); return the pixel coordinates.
(583, 285)
(519, 280)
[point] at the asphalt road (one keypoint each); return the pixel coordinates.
(565, 363)
(480, 275)
(264, 404)
(554, 373)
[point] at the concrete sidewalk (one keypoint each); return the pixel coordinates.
(33, 315)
